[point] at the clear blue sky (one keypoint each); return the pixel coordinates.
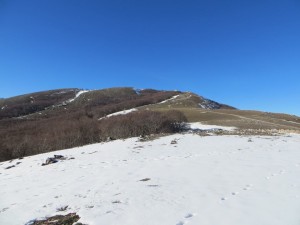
(245, 53)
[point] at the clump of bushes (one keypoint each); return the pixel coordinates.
(19, 139)
(142, 123)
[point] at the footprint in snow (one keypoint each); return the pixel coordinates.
(186, 219)
(281, 172)
(4, 209)
(80, 196)
(189, 215)
(247, 187)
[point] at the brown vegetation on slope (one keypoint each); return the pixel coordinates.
(77, 123)
(39, 136)
(34, 102)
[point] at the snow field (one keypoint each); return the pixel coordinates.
(220, 180)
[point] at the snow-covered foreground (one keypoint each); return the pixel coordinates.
(222, 180)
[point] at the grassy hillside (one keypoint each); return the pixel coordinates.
(242, 119)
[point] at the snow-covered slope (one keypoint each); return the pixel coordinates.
(77, 95)
(123, 112)
(208, 180)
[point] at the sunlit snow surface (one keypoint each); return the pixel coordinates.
(170, 99)
(221, 180)
(77, 95)
(200, 126)
(123, 112)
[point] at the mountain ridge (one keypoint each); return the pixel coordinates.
(63, 118)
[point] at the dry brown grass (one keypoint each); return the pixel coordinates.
(240, 118)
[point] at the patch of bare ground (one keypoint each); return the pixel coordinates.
(69, 219)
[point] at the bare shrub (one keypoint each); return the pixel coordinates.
(39, 136)
(34, 137)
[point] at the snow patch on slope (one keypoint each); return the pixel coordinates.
(123, 112)
(200, 126)
(208, 104)
(170, 99)
(77, 95)
(137, 91)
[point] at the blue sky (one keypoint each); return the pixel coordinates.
(242, 53)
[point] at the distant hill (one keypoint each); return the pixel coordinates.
(51, 102)
(63, 118)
